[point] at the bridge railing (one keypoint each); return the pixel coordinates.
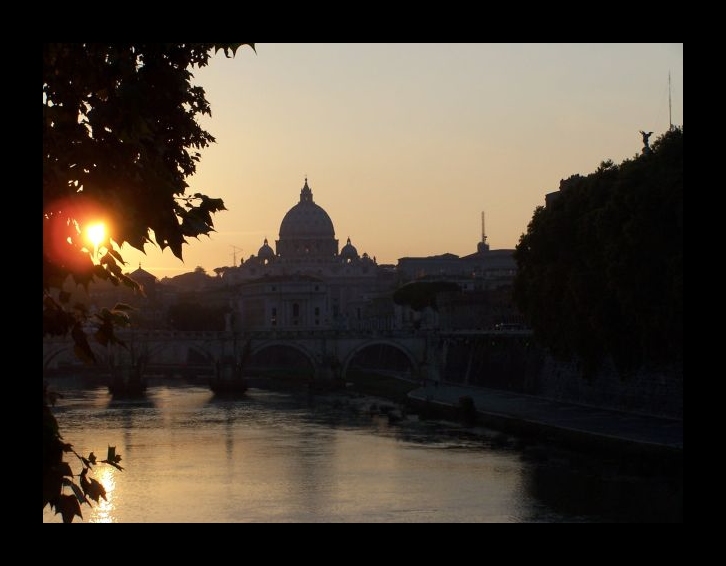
(275, 334)
(141, 335)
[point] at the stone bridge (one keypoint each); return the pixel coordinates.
(325, 350)
(329, 352)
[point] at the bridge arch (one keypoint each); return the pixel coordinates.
(62, 351)
(314, 363)
(413, 362)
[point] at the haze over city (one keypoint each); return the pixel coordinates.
(405, 145)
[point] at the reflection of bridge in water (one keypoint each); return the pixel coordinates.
(329, 353)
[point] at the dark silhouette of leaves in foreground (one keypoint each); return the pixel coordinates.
(58, 474)
(68, 506)
(113, 458)
(120, 139)
(91, 487)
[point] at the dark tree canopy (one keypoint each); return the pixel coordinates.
(120, 140)
(600, 268)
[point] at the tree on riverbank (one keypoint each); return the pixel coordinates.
(120, 140)
(600, 268)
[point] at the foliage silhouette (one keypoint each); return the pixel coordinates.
(600, 268)
(120, 139)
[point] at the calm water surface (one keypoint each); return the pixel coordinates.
(289, 457)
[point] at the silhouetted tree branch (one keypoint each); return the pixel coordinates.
(120, 139)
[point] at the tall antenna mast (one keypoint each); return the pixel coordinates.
(234, 254)
(670, 119)
(482, 247)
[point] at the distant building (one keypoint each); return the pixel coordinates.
(479, 271)
(484, 269)
(485, 279)
(148, 282)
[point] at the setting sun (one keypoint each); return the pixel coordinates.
(96, 233)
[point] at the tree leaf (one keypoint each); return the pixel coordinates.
(132, 284)
(100, 272)
(112, 456)
(78, 493)
(113, 459)
(107, 259)
(120, 318)
(82, 348)
(117, 255)
(95, 490)
(69, 507)
(65, 469)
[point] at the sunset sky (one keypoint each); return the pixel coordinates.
(405, 145)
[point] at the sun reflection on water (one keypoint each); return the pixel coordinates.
(103, 511)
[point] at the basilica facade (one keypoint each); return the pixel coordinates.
(306, 282)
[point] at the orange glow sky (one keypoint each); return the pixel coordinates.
(405, 145)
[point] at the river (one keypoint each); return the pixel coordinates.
(283, 456)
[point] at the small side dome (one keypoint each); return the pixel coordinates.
(348, 252)
(266, 253)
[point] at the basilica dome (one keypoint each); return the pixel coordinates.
(306, 232)
(306, 219)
